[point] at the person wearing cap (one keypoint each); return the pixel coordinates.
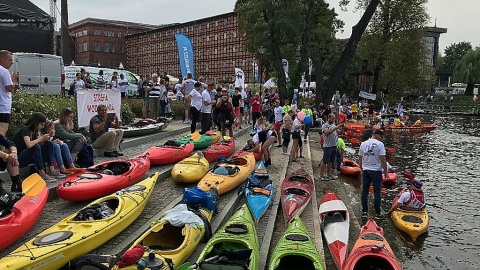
(418, 122)
(413, 198)
(372, 160)
(225, 112)
(329, 147)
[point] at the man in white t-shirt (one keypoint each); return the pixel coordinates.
(123, 85)
(278, 115)
(6, 88)
(178, 90)
(195, 101)
(206, 110)
(187, 87)
(372, 160)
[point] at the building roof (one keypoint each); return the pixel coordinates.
(23, 9)
(166, 26)
(112, 23)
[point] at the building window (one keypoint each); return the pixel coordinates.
(80, 48)
(207, 38)
(97, 47)
(234, 49)
(234, 63)
(216, 37)
(216, 51)
(112, 48)
(106, 47)
(84, 32)
(216, 23)
(85, 46)
(119, 34)
(224, 64)
(224, 49)
(225, 21)
(96, 32)
(208, 25)
(224, 35)
(234, 34)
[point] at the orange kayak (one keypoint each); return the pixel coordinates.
(350, 168)
(371, 251)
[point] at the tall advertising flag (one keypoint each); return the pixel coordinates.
(239, 78)
(255, 72)
(185, 54)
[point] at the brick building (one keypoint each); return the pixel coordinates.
(217, 49)
(102, 42)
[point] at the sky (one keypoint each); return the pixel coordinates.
(459, 17)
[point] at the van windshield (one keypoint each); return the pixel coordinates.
(131, 78)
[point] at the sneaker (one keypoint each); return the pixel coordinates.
(323, 178)
(378, 217)
(118, 153)
(333, 177)
(364, 215)
(109, 154)
(287, 154)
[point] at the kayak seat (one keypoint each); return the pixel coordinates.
(333, 217)
(118, 168)
(259, 181)
(97, 211)
(172, 143)
(296, 237)
(372, 236)
(237, 229)
(299, 179)
(237, 161)
(412, 219)
(225, 170)
(169, 237)
(296, 191)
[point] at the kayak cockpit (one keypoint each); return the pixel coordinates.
(168, 237)
(295, 262)
(373, 262)
(235, 255)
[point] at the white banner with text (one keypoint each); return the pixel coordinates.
(367, 95)
(88, 100)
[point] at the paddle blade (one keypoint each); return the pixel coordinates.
(185, 266)
(408, 175)
(195, 136)
(33, 185)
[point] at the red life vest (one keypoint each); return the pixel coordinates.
(416, 200)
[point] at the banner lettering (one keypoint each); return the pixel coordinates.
(88, 101)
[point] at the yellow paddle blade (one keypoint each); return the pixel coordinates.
(226, 138)
(195, 136)
(33, 185)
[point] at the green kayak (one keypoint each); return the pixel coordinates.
(296, 249)
(204, 141)
(234, 245)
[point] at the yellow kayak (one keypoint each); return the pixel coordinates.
(190, 169)
(83, 231)
(412, 222)
(215, 135)
(229, 174)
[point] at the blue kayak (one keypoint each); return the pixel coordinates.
(259, 192)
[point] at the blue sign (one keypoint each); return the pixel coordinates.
(185, 54)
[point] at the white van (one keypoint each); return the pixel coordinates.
(39, 73)
(132, 89)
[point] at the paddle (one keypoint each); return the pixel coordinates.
(439, 207)
(188, 266)
(196, 136)
(33, 185)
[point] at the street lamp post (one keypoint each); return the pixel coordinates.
(262, 51)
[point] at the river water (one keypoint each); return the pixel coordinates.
(447, 161)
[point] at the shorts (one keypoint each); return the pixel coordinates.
(285, 137)
(246, 108)
(3, 164)
(225, 118)
(296, 135)
(278, 125)
(329, 154)
(5, 117)
(241, 110)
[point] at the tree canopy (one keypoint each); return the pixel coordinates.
(454, 52)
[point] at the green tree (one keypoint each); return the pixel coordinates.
(454, 53)
(395, 46)
(467, 70)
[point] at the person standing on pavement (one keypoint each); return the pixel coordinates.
(329, 130)
(256, 104)
(122, 85)
(8, 83)
(206, 121)
(187, 87)
(195, 101)
(147, 85)
(225, 112)
(372, 160)
(278, 117)
(154, 98)
(307, 112)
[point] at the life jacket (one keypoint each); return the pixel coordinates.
(416, 200)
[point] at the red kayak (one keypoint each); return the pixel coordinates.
(161, 155)
(392, 179)
(219, 149)
(244, 151)
(297, 189)
(371, 251)
(103, 179)
(350, 168)
(16, 221)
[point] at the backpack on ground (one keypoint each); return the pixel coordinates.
(85, 156)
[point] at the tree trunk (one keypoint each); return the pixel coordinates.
(348, 53)
(318, 64)
(282, 79)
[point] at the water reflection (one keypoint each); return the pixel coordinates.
(446, 160)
